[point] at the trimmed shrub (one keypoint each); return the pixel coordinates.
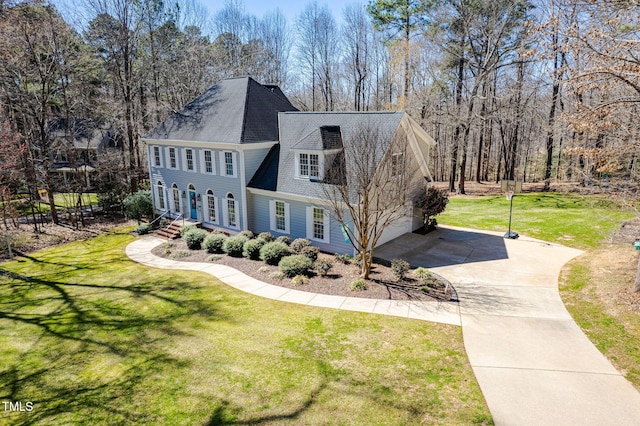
(247, 233)
(300, 280)
(185, 229)
(266, 236)
(143, 229)
(322, 266)
(358, 285)
(213, 243)
(399, 268)
(251, 248)
(284, 239)
(311, 252)
(298, 244)
(194, 238)
(343, 258)
(294, 265)
(274, 251)
(233, 246)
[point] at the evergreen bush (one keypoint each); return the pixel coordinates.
(274, 251)
(233, 246)
(296, 264)
(213, 243)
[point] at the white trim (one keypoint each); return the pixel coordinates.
(320, 155)
(272, 217)
(153, 156)
(167, 151)
(172, 204)
(234, 163)
(225, 211)
(206, 210)
(243, 192)
(211, 145)
(325, 225)
(158, 188)
(193, 160)
(203, 165)
(288, 196)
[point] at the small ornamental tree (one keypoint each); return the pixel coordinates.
(138, 205)
(432, 202)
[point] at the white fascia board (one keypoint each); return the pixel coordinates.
(291, 197)
(212, 145)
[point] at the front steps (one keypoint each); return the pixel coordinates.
(172, 231)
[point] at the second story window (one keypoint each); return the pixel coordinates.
(228, 163)
(189, 154)
(308, 165)
(172, 158)
(157, 161)
(208, 162)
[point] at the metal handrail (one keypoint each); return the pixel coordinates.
(180, 215)
(159, 217)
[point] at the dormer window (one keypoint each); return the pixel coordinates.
(308, 165)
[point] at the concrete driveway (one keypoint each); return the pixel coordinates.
(533, 363)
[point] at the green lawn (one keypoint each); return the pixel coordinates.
(61, 200)
(92, 338)
(573, 220)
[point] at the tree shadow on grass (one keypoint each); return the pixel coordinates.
(89, 348)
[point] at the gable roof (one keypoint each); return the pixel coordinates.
(237, 110)
(316, 131)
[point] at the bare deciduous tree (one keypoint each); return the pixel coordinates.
(372, 183)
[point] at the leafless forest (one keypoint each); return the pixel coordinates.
(541, 91)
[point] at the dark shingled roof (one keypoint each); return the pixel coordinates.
(266, 177)
(316, 131)
(238, 110)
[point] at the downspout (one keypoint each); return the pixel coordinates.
(243, 185)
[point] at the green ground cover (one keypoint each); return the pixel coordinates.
(574, 220)
(91, 337)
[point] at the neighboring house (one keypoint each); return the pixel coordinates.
(240, 156)
(77, 147)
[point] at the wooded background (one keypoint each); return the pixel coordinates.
(540, 90)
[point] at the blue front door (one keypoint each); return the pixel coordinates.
(192, 203)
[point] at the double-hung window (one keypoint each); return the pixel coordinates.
(157, 160)
(173, 162)
(189, 157)
(279, 214)
(317, 224)
(208, 162)
(308, 165)
(228, 163)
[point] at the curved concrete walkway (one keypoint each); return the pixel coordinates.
(533, 363)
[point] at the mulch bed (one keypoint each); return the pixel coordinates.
(381, 285)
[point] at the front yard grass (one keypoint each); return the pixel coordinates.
(91, 337)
